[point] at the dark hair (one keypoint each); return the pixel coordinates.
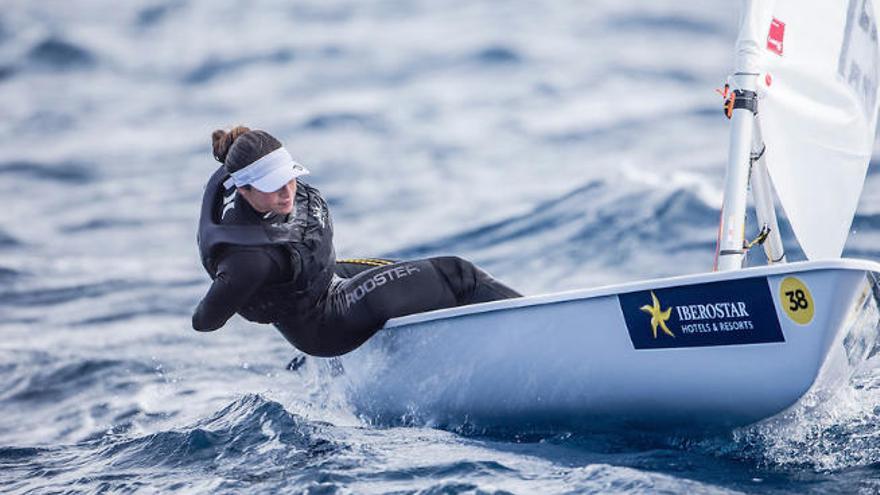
(241, 146)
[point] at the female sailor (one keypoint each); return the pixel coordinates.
(266, 239)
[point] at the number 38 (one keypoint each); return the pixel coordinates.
(798, 300)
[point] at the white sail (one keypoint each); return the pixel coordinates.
(819, 67)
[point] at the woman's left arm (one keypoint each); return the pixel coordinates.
(239, 274)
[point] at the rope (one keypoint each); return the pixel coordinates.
(366, 261)
(762, 236)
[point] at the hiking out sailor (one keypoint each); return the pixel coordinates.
(266, 239)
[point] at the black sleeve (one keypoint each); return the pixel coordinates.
(239, 274)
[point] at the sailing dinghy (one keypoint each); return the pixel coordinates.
(724, 348)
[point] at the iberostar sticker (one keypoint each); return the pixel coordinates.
(658, 318)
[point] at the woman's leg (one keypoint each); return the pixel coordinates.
(359, 306)
(457, 272)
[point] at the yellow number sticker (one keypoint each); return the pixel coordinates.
(796, 300)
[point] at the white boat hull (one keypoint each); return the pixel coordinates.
(587, 358)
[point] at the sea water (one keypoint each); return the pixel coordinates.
(559, 145)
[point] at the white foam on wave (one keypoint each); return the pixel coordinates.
(833, 427)
(707, 189)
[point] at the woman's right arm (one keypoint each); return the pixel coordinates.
(240, 273)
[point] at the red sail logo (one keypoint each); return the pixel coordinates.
(774, 38)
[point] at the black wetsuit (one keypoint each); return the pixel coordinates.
(282, 270)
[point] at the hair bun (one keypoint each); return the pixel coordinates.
(221, 141)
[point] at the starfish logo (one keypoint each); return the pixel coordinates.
(658, 316)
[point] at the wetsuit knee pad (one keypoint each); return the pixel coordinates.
(469, 283)
(458, 272)
(463, 277)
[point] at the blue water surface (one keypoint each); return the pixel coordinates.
(559, 145)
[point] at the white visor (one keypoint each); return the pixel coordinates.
(269, 173)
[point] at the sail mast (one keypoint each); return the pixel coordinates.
(733, 211)
(730, 249)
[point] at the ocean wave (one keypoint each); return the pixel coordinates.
(52, 381)
(644, 122)
(866, 221)
(363, 121)
(677, 75)
(7, 241)
(546, 216)
(7, 274)
(66, 171)
(457, 469)
(18, 454)
(53, 296)
(60, 54)
(677, 24)
(102, 224)
(216, 66)
(252, 443)
(46, 122)
(831, 435)
(152, 308)
(251, 434)
(6, 72)
(155, 14)
(496, 55)
(592, 218)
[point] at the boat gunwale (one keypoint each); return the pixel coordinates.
(616, 289)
